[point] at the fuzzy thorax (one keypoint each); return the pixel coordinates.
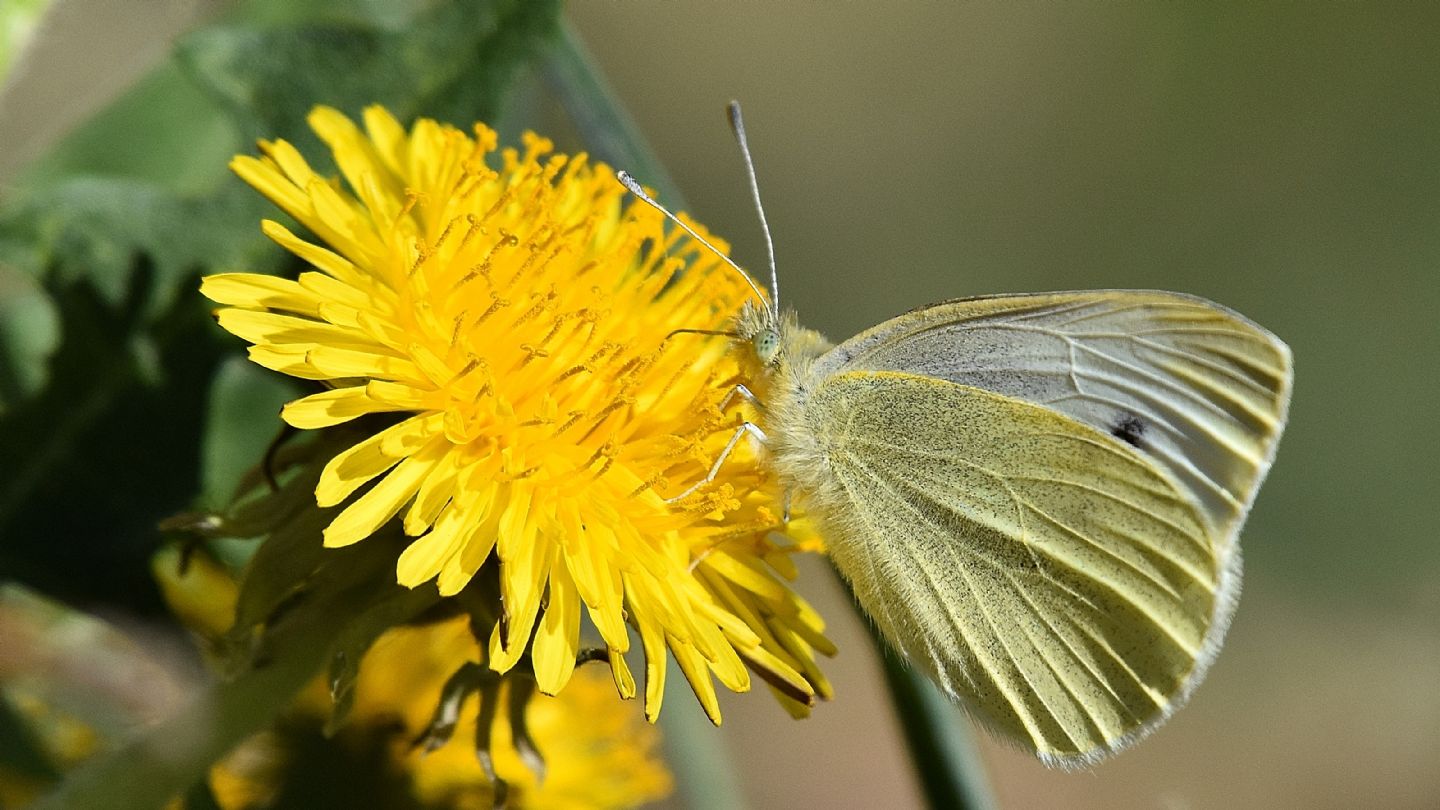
(778, 355)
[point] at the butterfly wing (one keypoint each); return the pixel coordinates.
(1194, 386)
(1055, 581)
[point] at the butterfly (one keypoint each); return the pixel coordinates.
(1036, 498)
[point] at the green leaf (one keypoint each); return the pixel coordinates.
(394, 606)
(104, 442)
(106, 449)
(453, 63)
(167, 758)
(163, 131)
(29, 333)
(284, 564)
(245, 402)
(98, 230)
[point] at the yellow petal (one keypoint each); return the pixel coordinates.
(334, 264)
(266, 177)
(506, 652)
(353, 152)
(436, 491)
(800, 650)
(290, 162)
(372, 509)
(483, 516)
(557, 641)
(337, 362)
(779, 674)
(693, 665)
(516, 532)
(652, 641)
(620, 673)
(350, 469)
(422, 560)
(747, 574)
(388, 136)
(599, 586)
(286, 359)
(268, 327)
(332, 408)
(339, 223)
(329, 289)
(259, 292)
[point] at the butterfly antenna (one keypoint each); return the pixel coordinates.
(738, 125)
(634, 188)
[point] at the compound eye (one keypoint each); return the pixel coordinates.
(767, 344)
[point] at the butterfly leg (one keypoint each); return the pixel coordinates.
(744, 393)
(747, 427)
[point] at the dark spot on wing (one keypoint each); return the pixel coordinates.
(1130, 429)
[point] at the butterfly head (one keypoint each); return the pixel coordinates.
(774, 339)
(759, 329)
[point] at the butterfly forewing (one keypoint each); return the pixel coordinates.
(1191, 384)
(1046, 574)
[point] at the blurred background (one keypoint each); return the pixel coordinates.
(1282, 159)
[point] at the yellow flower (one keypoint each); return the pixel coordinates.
(515, 328)
(598, 752)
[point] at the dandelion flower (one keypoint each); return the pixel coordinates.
(598, 751)
(513, 323)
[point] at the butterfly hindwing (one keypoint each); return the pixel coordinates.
(1048, 575)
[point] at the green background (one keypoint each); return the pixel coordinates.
(1282, 159)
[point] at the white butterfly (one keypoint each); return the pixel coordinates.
(1037, 498)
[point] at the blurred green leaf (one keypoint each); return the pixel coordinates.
(169, 757)
(282, 567)
(393, 607)
(29, 332)
(942, 745)
(454, 63)
(234, 430)
(105, 440)
(610, 134)
(96, 230)
(105, 450)
(391, 15)
(163, 131)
